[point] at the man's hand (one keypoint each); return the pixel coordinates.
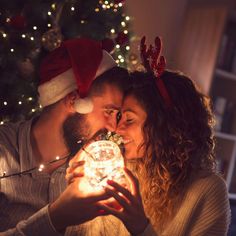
(74, 207)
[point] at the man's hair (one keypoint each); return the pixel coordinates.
(117, 76)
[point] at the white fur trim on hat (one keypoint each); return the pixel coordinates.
(57, 88)
(83, 105)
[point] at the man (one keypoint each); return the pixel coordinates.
(75, 107)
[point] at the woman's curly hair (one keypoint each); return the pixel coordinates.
(178, 139)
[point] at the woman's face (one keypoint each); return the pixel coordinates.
(130, 127)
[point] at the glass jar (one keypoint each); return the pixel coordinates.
(103, 161)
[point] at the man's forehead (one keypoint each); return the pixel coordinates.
(111, 97)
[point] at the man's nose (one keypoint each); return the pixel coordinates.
(111, 123)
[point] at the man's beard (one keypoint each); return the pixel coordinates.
(75, 130)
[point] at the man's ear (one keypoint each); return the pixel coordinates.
(70, 100)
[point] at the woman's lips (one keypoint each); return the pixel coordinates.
(126, 141)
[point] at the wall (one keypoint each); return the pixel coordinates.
(158, 17)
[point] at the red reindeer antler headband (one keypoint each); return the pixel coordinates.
(155, 63)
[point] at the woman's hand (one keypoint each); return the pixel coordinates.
(132, 212)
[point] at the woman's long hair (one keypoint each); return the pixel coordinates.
(178, 140)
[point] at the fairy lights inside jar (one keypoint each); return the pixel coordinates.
(103, 161)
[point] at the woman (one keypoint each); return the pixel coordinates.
(171, 148)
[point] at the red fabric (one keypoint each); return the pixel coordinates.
(83, 55)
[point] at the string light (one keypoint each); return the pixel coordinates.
(49, 13)
(40, 168)
(35, 27)
(97, 10)
(127, 18)
(5, 103)
(32, 38)
(23, 36)
(117, 46)
(82, 21)
(20, 102)
(125, 31)
(2, 123)
(33, 110)
(122, 60)
(49, 25)
(4, 35)
(127, 48)
(113, 31)
(12, 49)
(123, 24)
(120, 4)
(72, 8)
(30, 98)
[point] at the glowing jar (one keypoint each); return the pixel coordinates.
(103, 161)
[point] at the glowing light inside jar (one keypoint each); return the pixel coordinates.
(103, 161)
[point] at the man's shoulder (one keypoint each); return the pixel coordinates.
(9, 132)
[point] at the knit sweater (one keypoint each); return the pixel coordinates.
(204, 210)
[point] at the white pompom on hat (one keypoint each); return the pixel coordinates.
(73, 66)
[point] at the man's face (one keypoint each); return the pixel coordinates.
(104, 115)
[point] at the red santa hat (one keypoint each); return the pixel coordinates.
(72, 66)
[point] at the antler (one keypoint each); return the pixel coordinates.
(154, 62)
(151, 58)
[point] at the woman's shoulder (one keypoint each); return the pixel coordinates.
(209, 183)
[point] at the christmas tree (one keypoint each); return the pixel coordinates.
(30, 29)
